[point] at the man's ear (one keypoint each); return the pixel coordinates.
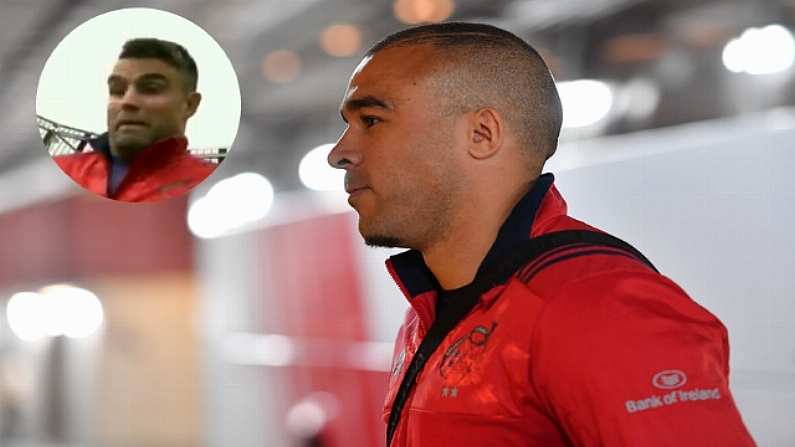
(486, 133)
(192, 103)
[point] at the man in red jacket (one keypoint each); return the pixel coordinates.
(143, 156)
(579, 344)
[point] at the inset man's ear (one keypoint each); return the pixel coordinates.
(486, 133)
(192, 103)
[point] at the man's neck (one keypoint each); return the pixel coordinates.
(455, 259)
(125, 155)
(129, 154)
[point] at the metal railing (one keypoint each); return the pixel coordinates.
(65, 140)
(214, 155)
(60, 139)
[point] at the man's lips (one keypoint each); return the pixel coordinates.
(129, 123)
(354, 194)
(355, 189)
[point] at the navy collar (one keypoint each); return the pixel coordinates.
(417, 278)
(101, 144)
(165, 147)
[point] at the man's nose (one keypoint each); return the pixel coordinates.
(131, 99)
(343, 155)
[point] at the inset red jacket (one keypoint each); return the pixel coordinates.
(163, 170)
(585, 346)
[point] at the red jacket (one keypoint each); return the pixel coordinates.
(163, 170)
(582, 347)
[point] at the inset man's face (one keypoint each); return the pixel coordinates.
(147, 102)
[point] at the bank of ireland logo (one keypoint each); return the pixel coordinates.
(669, 379)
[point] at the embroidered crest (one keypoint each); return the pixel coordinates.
(460, 363)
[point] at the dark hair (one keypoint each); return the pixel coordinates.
(494, 67)
(171, 53)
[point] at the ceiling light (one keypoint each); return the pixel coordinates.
(760, 51)
(419, 11)
(231, 204)
(55, 310)
(23, 312)
(71, 311)
(281, 66)
(585, 102)
(341, 40)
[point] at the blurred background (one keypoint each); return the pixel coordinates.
(251, 314)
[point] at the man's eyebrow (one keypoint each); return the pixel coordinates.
(152, 77)
(144, 77)
(365, 101)
(115, 78)
(360, 103)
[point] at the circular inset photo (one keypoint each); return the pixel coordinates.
(138, 105)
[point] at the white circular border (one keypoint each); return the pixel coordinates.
(72, 88)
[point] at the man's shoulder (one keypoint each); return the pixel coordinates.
(77, 160)
(191, 163)
(611, 303)
(558, 267)
(589, 285)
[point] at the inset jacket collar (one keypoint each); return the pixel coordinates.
(153, 157)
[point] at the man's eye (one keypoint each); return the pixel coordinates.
(370, 121)
(116, 91)
(149, 88)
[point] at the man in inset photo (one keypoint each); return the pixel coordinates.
(143, 156)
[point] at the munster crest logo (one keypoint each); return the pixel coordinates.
(460, 363)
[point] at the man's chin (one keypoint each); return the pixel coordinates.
(374, 233)
(128, 144)
(383, 241)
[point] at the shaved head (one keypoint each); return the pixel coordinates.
(484, 66)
